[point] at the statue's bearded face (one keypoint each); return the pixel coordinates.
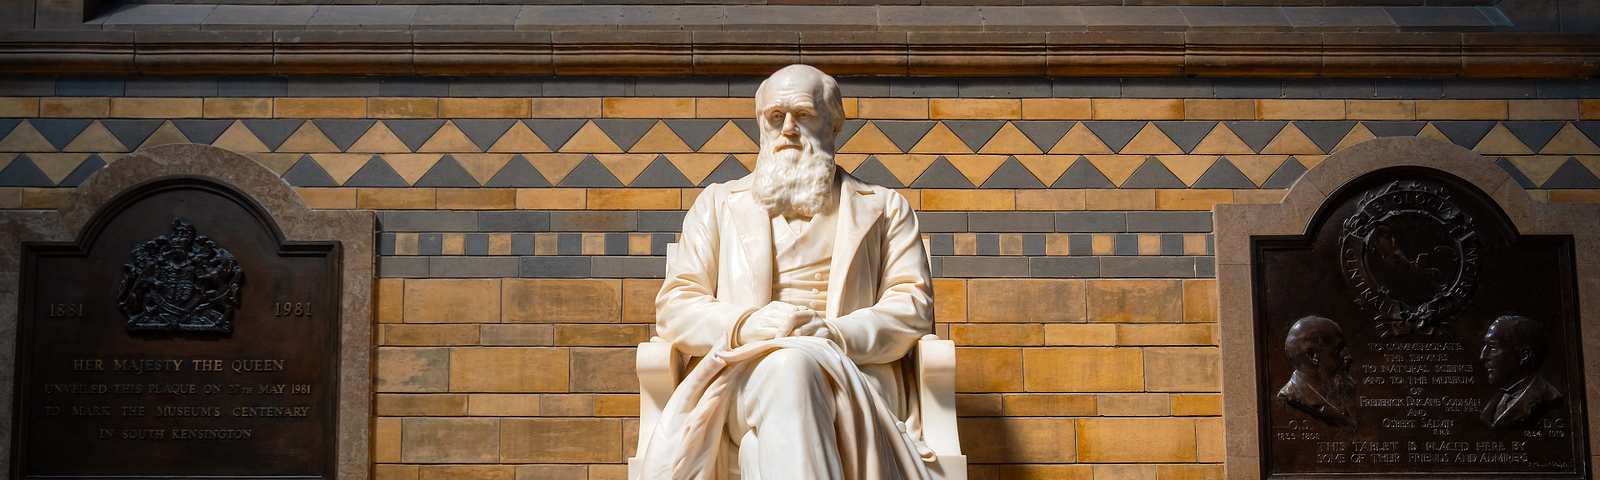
(794, 171)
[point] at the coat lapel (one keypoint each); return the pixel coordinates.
(755, 235)
(858, 207)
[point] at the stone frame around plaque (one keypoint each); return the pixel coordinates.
(352, 431)
(1236, 224)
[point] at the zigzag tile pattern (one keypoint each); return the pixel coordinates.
(652, 153)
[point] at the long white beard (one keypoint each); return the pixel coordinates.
(794, 181)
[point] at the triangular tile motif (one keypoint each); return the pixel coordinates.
(1286, 175)
(132, 133)
(1590, 129)
(239, 139)
(1187, 168)
(1515, 174)
(1012, 174)
(1046, 168)
(1257, 133)
(975, 133)
(870, 140)
(21, 172)
(1591, 162)
(59, 131)
(1431, 131)
(1223, 175)
(518, 138)
(696, 166)
(1079, 140)
(89, 166)
(1538, 169)
(1572, 175)
(556, 133)
(749, 126)
(1116, 168)
(626, 167)
(1357, 135)
(412, 167)
(1046, 134)
(660, 139)
(376, 173)
(1463, 133)
(873, 172)
(1258, 168)
(482, 166)
(977, 168)
(907, 168)
(202, 131)
(942, 174)
(343, 132)
(340, 166)
(517, 173)
(1394, 129)
(624, 132)
(1187, 135)
(6, 125)
(1310, 161)
(661, 174)
(849, 161)
(1500, 141)
(168, 133)
(1083, 174)
(904, 133)
(1570, 141)
(589, 139)
(590, 173)
(279, 163)
(379, 139)
(1535, 135)
(56, 166)
(448, 139)
(940, 139)
(413, 133)
(446, 173)
(307, 173)
(729, 170)
(1221, 141)
(695, 133)
(484, 132)
(309, 139)
(729, 139)
(272, 133)
(95, 138)
(1114, 134)
(1291, 141)
(1150, 141)
(1010, 141)
(848, 131)
(24, 138)
(6, 158)
(747, 159)
(1326, 134)
(1152, 174)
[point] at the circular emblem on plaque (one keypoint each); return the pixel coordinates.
(185, 282)
(1411, 256)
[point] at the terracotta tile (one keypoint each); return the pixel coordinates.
(1107, 471)
(562, 301)
(634, 198)
(1048, 405)
(639, 299)
(1543, 109)
(10, 197)
(1135, 301)
(553, 405)
(1083, 369)
(978, 405)
(1182, 369)
(1191, 199)
(894, 108)
(975, 108)
(452, 300)
(1461, 110)
(1380, 109)
(1213, 109)
(237, 108)
(132, 107)
(997, 335)
(1200, 301)
(648, 108)
(1589, 109)
(74, 107)
(420, 405)
(412, 369)
(319, 108)
(525, 335)
(552, 472)
(1300, 109)
(508, 370)
(404, 107)
(476, 199)
(1164, 334)
(565, 108)
(1017, 440)
(551, 199)
(386, 440)
(467, 472)
(561, 440)
(724, 107)
(503, 404)
(968, 200)
(616, 405)
(601, 335)
(949, 300)
(450, 440)
(484, 108)
(44, 198)
(605, 370)
(1050, 199)
(395, 198)
(1119, 199)
(1019, 300)
(1132, 405)
(1193, 471)
(1574, 196)
(395, 472)
(1129, 440)
(328, 198)
(391, 300)
(609, 472)
(989, 370)
(1209, 436)
(1055, 109)
(1196, 404)
(1080, 335)
(430, 335)
(1137, 109)
(19, 106)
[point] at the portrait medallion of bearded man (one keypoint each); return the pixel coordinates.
(1321, 385)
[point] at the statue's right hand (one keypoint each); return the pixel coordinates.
(776, 319)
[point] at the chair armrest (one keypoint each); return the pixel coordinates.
(660, 369)
(936, 365)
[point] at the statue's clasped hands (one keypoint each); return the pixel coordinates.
(778, 320)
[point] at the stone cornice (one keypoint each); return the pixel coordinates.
(579, 53)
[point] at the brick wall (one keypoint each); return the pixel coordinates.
(523, 222)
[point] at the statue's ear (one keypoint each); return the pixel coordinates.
(1525, 357)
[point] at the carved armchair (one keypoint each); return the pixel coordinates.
(661, 368)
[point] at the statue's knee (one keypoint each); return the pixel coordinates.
(789, 364)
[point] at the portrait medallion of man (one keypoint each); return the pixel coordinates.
(1321, 385)
(802, 288)
(1513, 349)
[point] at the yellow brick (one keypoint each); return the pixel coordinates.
(894, 108)
(601, 335)
(965, 243)
(484, 108)
(391, 300)
(1047, 472)
(989, 370)
(1055, 109)
(132, 107)
(413, 369)
(1211, 109)
(1200, 301)
(561, 440)
(1182, 369)
(403, 107)
(508, 370)
(550, 199)
(467, 472)
(395, 472)
(553, 472)
(1191, 199)
(420, 405)
(1135, 301)
(1268, 196)
(328, 198)
(395, 198)
(1050, 199)
(70, 107)
(968, 200)
(1149, 243)
(452, 300)
(238, 108)
(1137, 109)
(1196, 404)
(1589, 109)
(1380, 109)
(852, 108)
(566, 405)
(1134, 440)
(1084, 369)
(639, 300)
(1017, 440)
(1132, 405)
(1300, 109)
(610, 472)
(616, 405)
(44, 198)
(725, 107)
(319, 108)
(1208, 433)
(1164, 334)
(475, 198)
(1461, 110)
(979, 404)
(562, 301)
(950, 300)
(19, 106)
(690, 194)
(648, 108)
(1080, 335)
(634, 198)
(1102, 244)
(1543, 109)
(1017, 300)
(11, 197)
(1005, 335)
(1191, 472)
(1119, 199)
(386, 440)
(430, 335)
(1048, 405)
(504, 405)
(565, 108)
(594, 243)
(1125, 472)
(1575, 196)
(975, 108)
(913, 197)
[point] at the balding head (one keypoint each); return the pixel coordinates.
(1313, 343)
(804, 78)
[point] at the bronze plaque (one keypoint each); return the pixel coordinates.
(180, 337)
(1414, 334)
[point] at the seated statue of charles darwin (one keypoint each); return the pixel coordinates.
(802, 288)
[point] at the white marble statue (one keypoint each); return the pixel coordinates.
(802, 288)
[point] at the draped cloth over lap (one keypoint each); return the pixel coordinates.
(873, 444)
